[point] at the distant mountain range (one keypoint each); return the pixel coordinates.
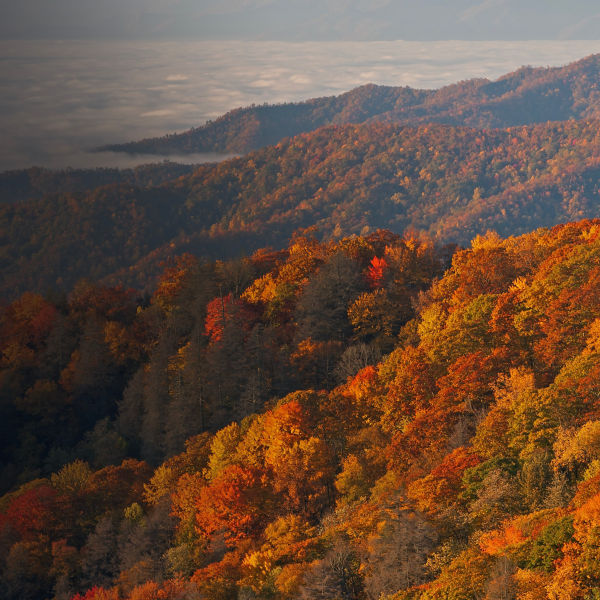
(452, 182)
(440, 174)
(527, 96)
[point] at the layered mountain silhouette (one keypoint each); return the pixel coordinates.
(451, 182)
(472, 159)
(527, 96)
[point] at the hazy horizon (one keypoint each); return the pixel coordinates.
(300, 20)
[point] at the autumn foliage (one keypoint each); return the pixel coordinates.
(272, 438)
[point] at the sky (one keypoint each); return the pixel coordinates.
(301, 20)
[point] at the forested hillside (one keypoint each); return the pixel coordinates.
(359, 363)
(333, 420)
(35, 183)
(451, 182)
(527, 96)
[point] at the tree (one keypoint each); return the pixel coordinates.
(100, 554)
(334, 576)
(397, 556)
(234, 505)
(33, 511)
(299, 464)
(72, 478)
(502, 584)
(376, 318)
(322, 308)
(316, 361)
(188, 410)
(144, 540)
(223, 450)
(25, 575)
(376, 271)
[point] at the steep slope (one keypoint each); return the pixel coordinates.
(527, 96)
(464, 464)
(451, 182)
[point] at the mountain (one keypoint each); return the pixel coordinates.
(452, 182)
(364, 411)
(527, 96)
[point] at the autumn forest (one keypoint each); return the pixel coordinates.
(359, 362)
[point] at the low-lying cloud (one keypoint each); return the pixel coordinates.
(176, 77)
(158, 113)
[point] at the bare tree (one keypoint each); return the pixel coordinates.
(334, 577)
(502, 585)
(356, 358)
(398, 556)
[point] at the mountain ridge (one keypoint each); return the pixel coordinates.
(526, 96)
(451, 182)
